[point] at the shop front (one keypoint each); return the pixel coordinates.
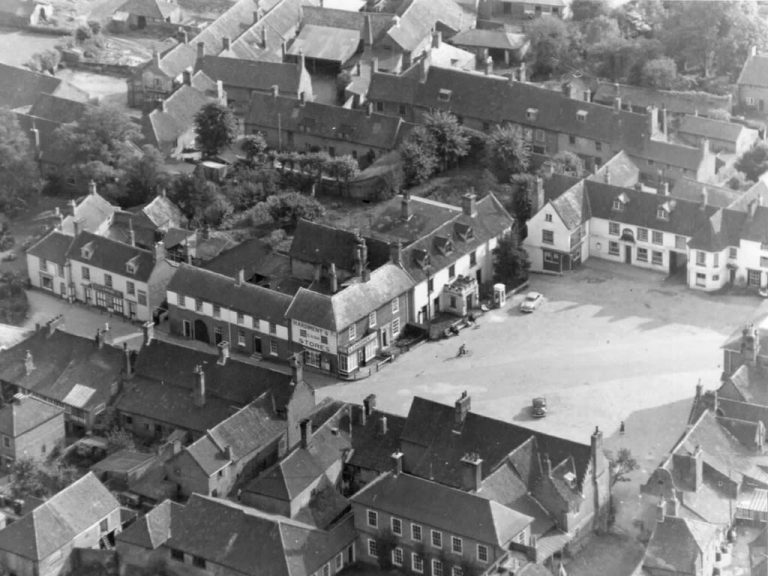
(358, 354)
(105, 297)
(318, 345)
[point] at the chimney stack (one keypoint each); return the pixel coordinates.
(200, 50)
(617, 103)
(35, 136)
(469, 204)
(131, 233)
(547, 465)
(471, 472)
(187, 76)
(704, 197)
(437, 38)
(302, 61)
(225, 43)
(149, 332)
(198, 395)
(29, 363)
(333, 278)
(607, 175)
(368, 109)
(228, 453)
(302, 98)
(396, 253)
(127, 364)
(297, 368)
(523, 72)
(672, 507)
(462, 408)
(240, 280)
(383, 425)
(660, 512)
(397, 463)
(156, 57)
(369, 404)
(405, 206)
(275, 91)
(488, 66)
(223, 352)
(306, 432)
(99, 339)
(159, 251)
(92, 187)
(374, 64)
(587, 94)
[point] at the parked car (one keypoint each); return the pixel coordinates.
(532, 301)
(539, 407)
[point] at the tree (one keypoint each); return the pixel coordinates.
(419, 155)
(192, 194)
(622, 465)
(510, 261)
(659, 73)
(451, 141)
(45, 61)
(588, 9)
(143, 178)
(567, 163)
(27, 479)
(101, 144)
(119, 439)
(19, 176)
(554, 46)
(254, 147)
(753, 162)
(216, 128)
(507, 152)
(288, 208)
(344, 169)
(720, 114)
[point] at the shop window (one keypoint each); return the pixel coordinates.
(657, 258)
(642, 255)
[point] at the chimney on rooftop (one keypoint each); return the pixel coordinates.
(275, 91)
(369, 404)
(198, 394)
(660, 511)
(127, 364)
(29, 363)
(264, 36)
(488, 65)
(396, 253)
(397, 463)
(617, 103)
(374, 64)
(333, 278)
(587, 94)
(302, 61)
(607, 175)
(469, 204)
(750, 344)
(223, 352)
(187, 76)
(547, 465)
(99, 339)
(240, 280)
(149, 332)
(306, 432)
(368, 31)
(92, 187)
(423, 68)
(461, 409)
(225, 43)
(156, 57)
(200, 50)
(567, 89)
(437, 38)
(471, 472)
(159, 251)
(672, 507)
(383, 425)
(522, 73)
(302, 98)
(405, 206)
(704, 197)
(297, 368)
(34, 134)
(131, 233)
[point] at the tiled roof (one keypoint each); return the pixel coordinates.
(494, 39)
(621, 170)
(572, 206)
(755, 71)
(52, 247)
(56, 522)
(261, 303)
(325, 121)
(247, 74)
(154, 528)
(676, 544)
(419, 17)
(708, 128)
(379, 22)
(326, 43)
(336, 312)
(249, 429)
(430, 426)
(236, 382)
(164, 125)
(145, 233)
(691, 190)
(62, 363)
(112, 256)
(278, 25)
(372, 450)
(91, 212)
(318, 243)
(455, 511)
(239, 538)
(674, 102)
(21, 87)
(250, 255)
(58, 109)
(25, 414)
(163, 212)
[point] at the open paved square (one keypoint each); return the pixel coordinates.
(609, 343)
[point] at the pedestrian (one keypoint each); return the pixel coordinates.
(106, 326)
(621, 428)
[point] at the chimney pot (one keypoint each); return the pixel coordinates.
(149, 332)
(397, 463)
(297, 368)
(396, 253)
(462, 408)
(306, 432)
(240, 280)
(469, 204)
(223, 352)
(199, 392)
(369, 404)
(333, 279)
(383, 425)
(472, 472)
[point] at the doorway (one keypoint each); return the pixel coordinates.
(142, 22)
(384, 337)
(201, 331)
(628, 254)
(186, 328)
(256, 345)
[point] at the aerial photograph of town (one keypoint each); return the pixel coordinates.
(383, 287)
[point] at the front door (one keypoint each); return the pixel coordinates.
(628, 254)
(479, 276)
(201, 331)
(256, 345)
(186, 328)
(131, 309)
(384, 338)
(733, 275)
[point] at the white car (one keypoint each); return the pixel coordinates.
(532, 301)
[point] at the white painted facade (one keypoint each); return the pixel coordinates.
(129, 297)
(549, 240)
(48, 276)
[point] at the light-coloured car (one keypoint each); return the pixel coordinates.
(539, 407)
(532, 301)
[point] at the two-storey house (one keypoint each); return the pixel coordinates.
(47, 264)
(41, 542)
(30, 429)
(752, 84)
(213, 308)
(117, 277)
(343, 329)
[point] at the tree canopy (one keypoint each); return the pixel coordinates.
(510, 261)
(754, 162)
(216, 128)
(507, 152)
(19, 176)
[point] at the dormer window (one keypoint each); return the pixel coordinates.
(421, 257)
(87, 251)
(532, 113)
(131, 265)
(620, 201)
(581, 115)
(443, 245)
(662, 214)
(444, 95)
(463, 231)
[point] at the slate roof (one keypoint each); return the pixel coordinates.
(418, 18)
(52, 247)
(572, 206)
(26, 413)
(377, 22)
(261, 303)
(239, 538)
(249, 429)
(21, 87)
(372, 450)
(621, 170)
(163, 212)
(164, 125)
(455, 511)
(675, 102)
(58, 521)
(247, 74)
(91, 212)
(713, 129)
(112, 256)
(336, 312)
(430, 426)
(154, 528)
(676, 543)
(145, 233)
(250, 256)
(691, 190)
(495, 39)
(58, 109)
(755, 71)
(325, 121)
(64, 363)
(317, 243)
(326, 43)
(278, 25)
